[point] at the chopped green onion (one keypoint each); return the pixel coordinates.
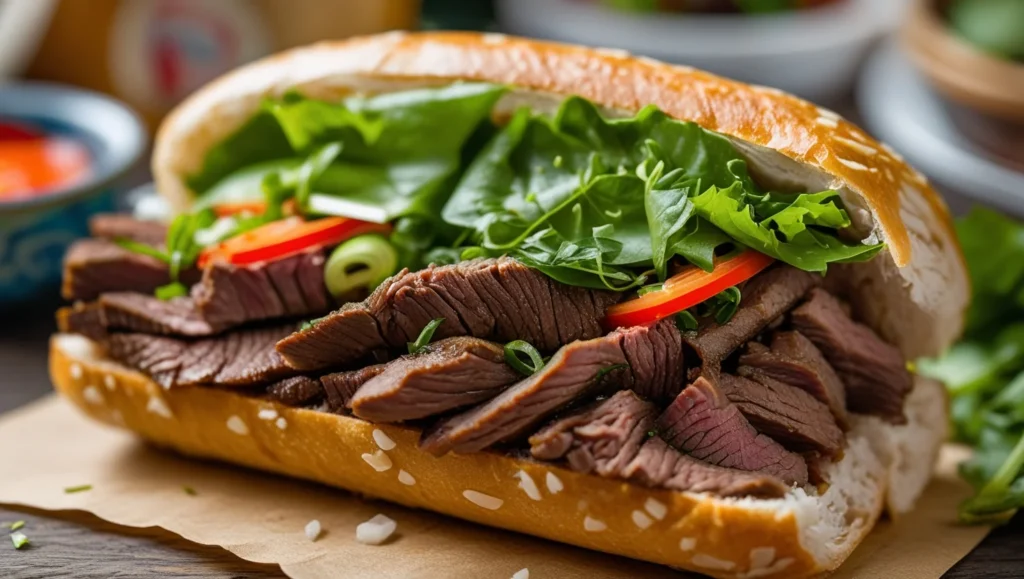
(425, 336)
(685, 321)
(175, 289)
(728, 303)
(362, 262)
(512, 357)
(77, 489)
(654, 287)
(17, 525)
(609, 369)
(189, 490)
(143, 248)
(19, 540)
(310, 324)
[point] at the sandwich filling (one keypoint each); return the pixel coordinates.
(619, 296)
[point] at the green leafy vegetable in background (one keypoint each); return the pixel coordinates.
(995, 26)
(605, 202)
(985, 371)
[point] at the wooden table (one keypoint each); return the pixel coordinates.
(74, 544)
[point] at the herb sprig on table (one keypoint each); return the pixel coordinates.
(985, 371)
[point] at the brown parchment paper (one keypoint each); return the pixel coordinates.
(48, 446)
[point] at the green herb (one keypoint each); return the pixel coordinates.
(686, 322)
(395, 154)
(78, 489)
(628, 195)
(19, 540)
(995, 26)
(985, 371)
(189, 491)
(425, 336)
(17, 525)
(310, 324)
(513, 352)
(181, 249)
(722, 306)
(608, 370)
(172, 290)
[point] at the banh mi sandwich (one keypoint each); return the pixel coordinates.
(572, 293)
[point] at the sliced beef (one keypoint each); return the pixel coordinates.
(659, 465)
(297, 391)
(448, 374)
(95, 266)
(703, 423)
(340, 387)
(603, 438)
(146, 314)
(765, 298)
(293, 286)
(122, 226)
(492, 299)
(794, 360)
(242, 358)
(83, 318)
(573, 370)
(339, 339)
(655, 358)
(874, 372)
(789, 415)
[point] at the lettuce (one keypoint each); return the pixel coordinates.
(608, 202)
(399, 153)
(985, 372)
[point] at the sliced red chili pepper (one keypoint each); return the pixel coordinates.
(687, 289)
(287, 237)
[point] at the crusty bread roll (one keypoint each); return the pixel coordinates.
(799, 535)
(914, 294)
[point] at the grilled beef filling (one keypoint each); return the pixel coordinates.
(768, 397)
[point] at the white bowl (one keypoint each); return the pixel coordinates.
(900, 108)
(811, 53)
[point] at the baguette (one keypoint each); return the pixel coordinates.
(799, 535)
(914, 294)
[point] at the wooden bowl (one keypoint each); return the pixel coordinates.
(963, 73)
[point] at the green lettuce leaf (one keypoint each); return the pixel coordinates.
(633, 192)
(400, 153)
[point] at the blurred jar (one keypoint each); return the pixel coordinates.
(153, 53)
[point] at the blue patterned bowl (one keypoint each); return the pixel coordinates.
(35, 232)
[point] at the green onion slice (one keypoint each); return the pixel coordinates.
(512, 357)
(78, 489)
(19, 540)
(362, 262)
(175, 289)
(425, 336)
(17, 525)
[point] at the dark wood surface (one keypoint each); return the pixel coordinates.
(79, 545)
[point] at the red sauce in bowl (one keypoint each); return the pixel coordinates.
(34, 163)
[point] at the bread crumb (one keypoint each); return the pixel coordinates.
(593, 525)
(529, 487)
(313, 530)
(483, 501)
(641, 520)
(76, 371)
(523, 573)
(378, 460)
(92, 395)
(156, 405)
(554, 483)
(237, 425)
(110, 382)
(405, 478)
(687, 543)
(267, 414)
(656, 508)
(376, 530)
(383, 440)
(281, 423)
